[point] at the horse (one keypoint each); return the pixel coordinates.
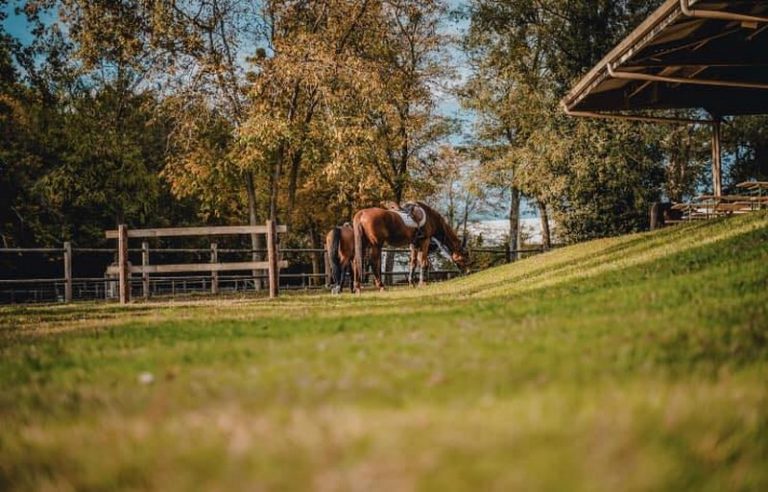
(373, 227)
(340, 244)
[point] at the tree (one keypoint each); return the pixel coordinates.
(746, 139)
(410, 63)
(17, 165)
(111, 159)
(86, 145)
(456, 187)
(526, 55)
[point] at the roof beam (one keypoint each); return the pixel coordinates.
(682, 64)
(685, 7)
(644, 85)
(636, 117)
(682, 80)
(691, 44)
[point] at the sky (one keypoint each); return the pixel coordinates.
(16, 25)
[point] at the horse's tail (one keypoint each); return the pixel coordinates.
(357, 228)
(334, 258)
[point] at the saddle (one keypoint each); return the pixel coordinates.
(413, 216)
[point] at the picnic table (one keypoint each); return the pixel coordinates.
(733, 204)
(758, 186)
(753, 195)
(710, 206)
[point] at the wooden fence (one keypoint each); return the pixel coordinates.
(68, 287)
(124, 270)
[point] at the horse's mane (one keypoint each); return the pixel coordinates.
(444, 233)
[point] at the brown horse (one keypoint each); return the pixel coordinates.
(374, 227)
(340, 245)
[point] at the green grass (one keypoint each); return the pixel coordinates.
(629, 363)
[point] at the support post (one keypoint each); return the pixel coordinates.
(272, 259)
(653, 218)
(717, 179)
(214, 275)
(67, 271)
(145, 275)
(122, 263)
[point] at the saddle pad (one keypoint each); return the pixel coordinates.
(408, 220)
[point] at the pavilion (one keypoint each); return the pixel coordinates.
(704, 55)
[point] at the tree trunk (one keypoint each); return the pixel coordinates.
(256, 239)
(274, 185)
(350, 205)
(398, 193)
(514, 222)
(546, 241)
(465, 220)
(293, 179)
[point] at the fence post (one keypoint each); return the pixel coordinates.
(145, 274)
(507, 253)
(214, 275)
(122, 263)
(274, 278)
(67, 271)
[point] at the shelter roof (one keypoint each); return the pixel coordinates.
(704, 54)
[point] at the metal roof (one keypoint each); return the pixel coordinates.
(688, 54)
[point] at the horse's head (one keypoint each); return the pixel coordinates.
(461, 257)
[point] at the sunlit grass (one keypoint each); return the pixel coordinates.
(629, 363)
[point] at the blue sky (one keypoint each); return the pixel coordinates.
(16, 25)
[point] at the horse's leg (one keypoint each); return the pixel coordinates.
(423, 263)
(412, 265)
(337, 277)
(376, 264)
(358, 255)
(357, 277)
(348, 270)
(343, 266)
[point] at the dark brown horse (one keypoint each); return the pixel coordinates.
(375, 227)
(340, 245)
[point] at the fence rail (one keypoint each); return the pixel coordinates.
(69, 287)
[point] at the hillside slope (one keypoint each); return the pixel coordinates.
(628, 363)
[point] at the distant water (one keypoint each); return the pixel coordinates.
(495, 231)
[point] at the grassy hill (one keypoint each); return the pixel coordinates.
(629, 363)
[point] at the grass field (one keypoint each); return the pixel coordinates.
(630, 363)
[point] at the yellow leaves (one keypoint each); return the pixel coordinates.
(17, 114)
(261, 134)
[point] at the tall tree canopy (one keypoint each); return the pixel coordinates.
(597, 177)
